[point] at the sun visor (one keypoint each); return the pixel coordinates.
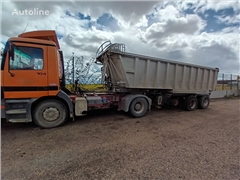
(43, 34)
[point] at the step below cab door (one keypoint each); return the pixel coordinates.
(25, 71)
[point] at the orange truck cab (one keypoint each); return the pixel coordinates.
(32, 80)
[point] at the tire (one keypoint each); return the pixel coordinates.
(191, 103)
(138, 107)
(40, 114)
(203, 102)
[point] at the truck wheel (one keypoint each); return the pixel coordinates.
(190, 103)
(50, 114)
(138, 107)
(203, 102)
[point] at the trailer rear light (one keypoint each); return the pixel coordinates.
(2, 107)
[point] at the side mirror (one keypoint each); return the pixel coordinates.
(11, 51)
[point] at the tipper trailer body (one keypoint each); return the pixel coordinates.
(33, 82)
(134, 71)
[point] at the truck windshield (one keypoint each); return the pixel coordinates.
(3, 55)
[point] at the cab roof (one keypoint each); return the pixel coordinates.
(49, 35)
(32, 40)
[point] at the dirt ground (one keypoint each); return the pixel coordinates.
(166, 144)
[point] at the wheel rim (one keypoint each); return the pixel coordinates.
(205, 102)
(192, 104)
(51, 114)
(139, 107)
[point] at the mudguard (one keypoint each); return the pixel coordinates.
(66, 98)
(126, 101)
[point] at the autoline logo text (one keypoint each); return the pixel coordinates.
(30, 12)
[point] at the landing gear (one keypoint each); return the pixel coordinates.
(50, 113)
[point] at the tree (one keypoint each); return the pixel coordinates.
(80, 71)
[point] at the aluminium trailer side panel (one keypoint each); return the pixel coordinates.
(142, 72)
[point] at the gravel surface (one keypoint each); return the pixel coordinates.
(165, 144)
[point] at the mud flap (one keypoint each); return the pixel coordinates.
(3, 111)
(67, 99)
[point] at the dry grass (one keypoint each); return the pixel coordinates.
(226, 87)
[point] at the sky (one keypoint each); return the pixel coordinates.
(204, 32)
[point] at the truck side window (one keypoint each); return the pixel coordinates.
(27, 58)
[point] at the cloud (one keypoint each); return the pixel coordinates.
(167, 30)
(143, 22)
(203, 5)
(132, 10)
(216, 5)
(228, 20)
(190, 24)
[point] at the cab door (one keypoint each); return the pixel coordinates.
(25, 75)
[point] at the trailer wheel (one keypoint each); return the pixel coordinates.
(203, 102)
(50, 114)
(138, 107)
(190, 103)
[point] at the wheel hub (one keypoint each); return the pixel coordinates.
(138, 107)
(51, 114)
